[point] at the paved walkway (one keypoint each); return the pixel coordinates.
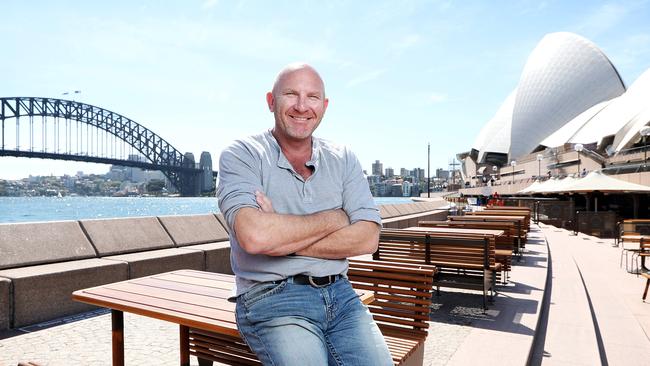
(593, 315)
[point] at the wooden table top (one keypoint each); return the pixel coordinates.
(635, 237)
(454, 230)
(492, 217)
(192, 298)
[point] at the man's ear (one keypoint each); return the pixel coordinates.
(270, 101)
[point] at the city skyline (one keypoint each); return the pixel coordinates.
(399, 75)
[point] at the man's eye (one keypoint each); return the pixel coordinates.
(314, 97)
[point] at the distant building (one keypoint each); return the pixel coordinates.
(389, 173)
(418, 174)
(442, 174)
(406, 189)
(403, 172)
(396, 190)
(377, 168)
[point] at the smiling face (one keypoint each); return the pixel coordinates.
(298, 103)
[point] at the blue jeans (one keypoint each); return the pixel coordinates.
(290, 324)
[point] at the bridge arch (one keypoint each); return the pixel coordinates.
(161, 155)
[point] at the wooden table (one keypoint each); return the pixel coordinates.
(192, 299)
(456, 230)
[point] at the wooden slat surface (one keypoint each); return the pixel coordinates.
(187, 297)
(452, 230)
(192, 298)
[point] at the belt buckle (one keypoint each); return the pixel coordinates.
(311, 282)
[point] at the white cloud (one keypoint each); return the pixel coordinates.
(209, 4)
(408, 41)
(438, 98)
(630, 55)
(362, 79)
(532, 7)
(602, 19)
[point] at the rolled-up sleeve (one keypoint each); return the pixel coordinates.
(239, 178)
(357, 199)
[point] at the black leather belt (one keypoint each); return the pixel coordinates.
(315, 281)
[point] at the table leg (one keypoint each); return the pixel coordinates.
(117, 321)
(643, 255)
(185, 345)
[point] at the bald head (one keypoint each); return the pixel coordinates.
(291, 68)
(298, 103)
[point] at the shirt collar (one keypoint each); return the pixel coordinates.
(282, 160)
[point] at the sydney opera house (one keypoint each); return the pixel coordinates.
(570, 114)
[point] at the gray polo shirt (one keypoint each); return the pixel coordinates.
(257, 163)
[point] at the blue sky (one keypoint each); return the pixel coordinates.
(399, 74)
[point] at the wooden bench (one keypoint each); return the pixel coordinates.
(401, 308)
(505, 245)
(402, 295)
(506, 213)
(462, 261)
(519, 222)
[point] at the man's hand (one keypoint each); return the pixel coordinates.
(362, 237)
(263, 231)
(265, 203)
(350, 240)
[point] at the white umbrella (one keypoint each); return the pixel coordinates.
(531, 188)
(597, 181)
(558, 186)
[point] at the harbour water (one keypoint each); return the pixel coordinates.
(31, 209)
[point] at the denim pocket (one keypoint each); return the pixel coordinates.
(261, 291)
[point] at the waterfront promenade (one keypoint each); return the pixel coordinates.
(594, 315)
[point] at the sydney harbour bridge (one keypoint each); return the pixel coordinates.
(50, 128)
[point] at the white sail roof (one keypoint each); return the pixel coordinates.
(495, 136)
(617, 113)
(568, 131)
(639, 108)
(565, 75)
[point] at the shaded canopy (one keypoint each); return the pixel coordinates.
(594, 181)
(597, 181)
(553, 185)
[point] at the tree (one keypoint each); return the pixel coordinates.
(155, 185)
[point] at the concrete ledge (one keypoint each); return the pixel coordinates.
(217, 256)
(45, 242)
(222, 220)
(157, 261)
(402, 222)
(117, 236)
(44, 292)
(390, 210)
(5, 303)
(405, 209)
(194, 229)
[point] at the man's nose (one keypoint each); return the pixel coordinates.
(301, 104)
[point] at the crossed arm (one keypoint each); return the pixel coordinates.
(326, 234)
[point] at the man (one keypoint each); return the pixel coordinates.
(297, 206)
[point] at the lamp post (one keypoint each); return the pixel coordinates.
(428, 170)
(513, 163)
(645, 132)
(539, 166)
(578, 148)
